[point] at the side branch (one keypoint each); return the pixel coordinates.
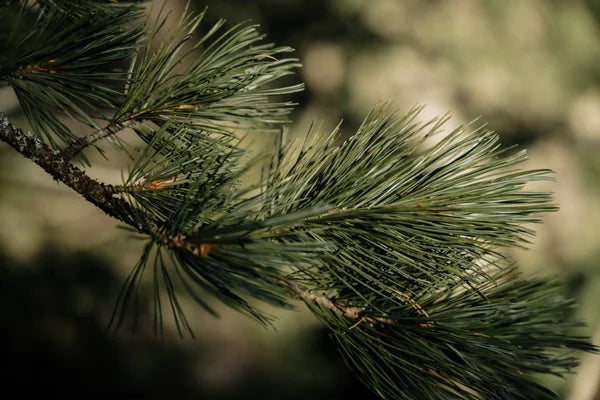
(115, 127)
(80, 144)
(157, 184)
(179, 241)
(59, 167)
(320, 299)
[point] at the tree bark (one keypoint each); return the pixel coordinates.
(99, 194)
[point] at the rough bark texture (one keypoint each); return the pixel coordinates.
(97, 193)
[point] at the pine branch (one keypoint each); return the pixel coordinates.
(189, 250)
(393, 245)
(227, 86)
(99, 194)
(389, 199)
(469, 347)
(102, 196)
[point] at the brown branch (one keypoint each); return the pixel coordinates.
(34, 68)
(99, 194)
(59, 167)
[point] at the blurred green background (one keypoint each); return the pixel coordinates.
(529, 68)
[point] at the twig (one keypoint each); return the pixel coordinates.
(156, 184)
(322, 300)
(115, 127)
(83, 142)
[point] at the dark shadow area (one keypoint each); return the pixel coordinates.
(54, 312)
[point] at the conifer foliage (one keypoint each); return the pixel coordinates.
(394, 244)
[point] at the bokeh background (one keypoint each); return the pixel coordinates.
(529, 68)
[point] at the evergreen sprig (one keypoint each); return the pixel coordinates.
(225, 80)
(61, 60)
(394, 237)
